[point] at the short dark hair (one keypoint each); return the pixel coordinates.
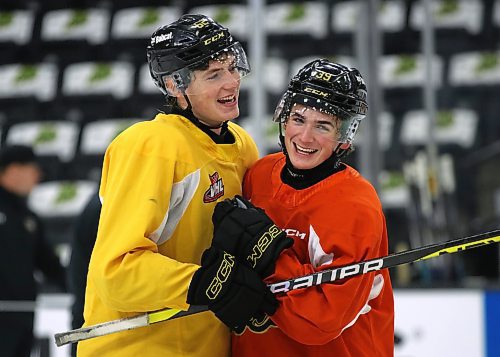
(21, 154)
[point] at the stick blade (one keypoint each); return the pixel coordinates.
(103, 329)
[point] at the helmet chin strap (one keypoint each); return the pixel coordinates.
(189, 107)
(282, 140)
(341, 151)
(189, 112)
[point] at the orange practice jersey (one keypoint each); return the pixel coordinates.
(335, 222)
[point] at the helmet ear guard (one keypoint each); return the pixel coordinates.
(173, 85)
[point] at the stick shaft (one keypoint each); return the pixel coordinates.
(322, 277)
(389, 261)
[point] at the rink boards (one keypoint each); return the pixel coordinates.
(429, 322)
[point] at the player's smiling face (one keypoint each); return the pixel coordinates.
(310, 136)
(214, 92)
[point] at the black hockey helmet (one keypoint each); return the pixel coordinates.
(189, 44)
(331, 88)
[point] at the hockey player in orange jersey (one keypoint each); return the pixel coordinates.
(334, 217)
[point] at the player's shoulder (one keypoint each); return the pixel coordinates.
(353, 178)
(240, 133)
(172, 126)
(355, 189)
(272, 159)
(237, 128)
(164, 130)
(269, 161)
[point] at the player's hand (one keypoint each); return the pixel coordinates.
(231, 290)
(248, 233)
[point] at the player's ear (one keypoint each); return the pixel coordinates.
(171, 87)
(175, 92)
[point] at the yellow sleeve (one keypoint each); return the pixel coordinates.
(128, 272)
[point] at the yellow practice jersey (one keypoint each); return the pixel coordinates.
(160, 183)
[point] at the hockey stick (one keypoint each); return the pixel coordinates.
(322, 277)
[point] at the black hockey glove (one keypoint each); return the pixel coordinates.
(248, 233)
(231, 290)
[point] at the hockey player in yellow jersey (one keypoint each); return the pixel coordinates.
(160, 183)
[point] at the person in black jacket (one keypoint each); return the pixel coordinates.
(81, 250)
(24, 251)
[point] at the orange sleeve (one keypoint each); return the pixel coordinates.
(317, 315)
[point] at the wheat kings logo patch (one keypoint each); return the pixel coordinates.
(216, 189)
